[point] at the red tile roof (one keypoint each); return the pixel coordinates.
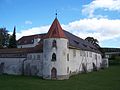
(36, 49)
(29, 39)
(55, 30)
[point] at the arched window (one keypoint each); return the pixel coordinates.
(53, 57)
(54, 43)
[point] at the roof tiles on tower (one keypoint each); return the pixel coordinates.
(55, 30)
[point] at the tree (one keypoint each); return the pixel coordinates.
(12, 40)
(93, 41)
(4, 37)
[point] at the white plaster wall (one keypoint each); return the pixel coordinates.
(33, 60)
(61, 52)
(97, 60)
(34, 63)
(75, 62)
(12, 65)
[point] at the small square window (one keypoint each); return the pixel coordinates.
(54, 43)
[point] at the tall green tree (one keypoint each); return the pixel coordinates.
(12, 40)
(4, 37)
(93, 41)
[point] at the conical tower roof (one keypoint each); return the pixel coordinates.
(55, 30)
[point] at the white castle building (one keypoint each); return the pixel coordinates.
(57, 54)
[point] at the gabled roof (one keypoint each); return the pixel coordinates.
(29, 39)
(36, 49)
(74, 42)
(55, 30)
(79, 43)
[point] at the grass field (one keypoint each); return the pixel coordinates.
(108, 79)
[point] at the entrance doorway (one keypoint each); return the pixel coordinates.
(53, 73)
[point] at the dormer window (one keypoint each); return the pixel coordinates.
(53, 57)
(54, 43)
(32, 41)
(76, 42)
(84, 45)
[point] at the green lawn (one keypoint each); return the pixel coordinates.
(108, 79)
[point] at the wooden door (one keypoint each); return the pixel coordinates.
(53, 73)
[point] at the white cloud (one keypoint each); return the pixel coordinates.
(32, 31)
(101, 29)
(111, 5)
(28, 22)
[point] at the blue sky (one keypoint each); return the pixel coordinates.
(96, 18)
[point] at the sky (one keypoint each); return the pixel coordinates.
(95, 18)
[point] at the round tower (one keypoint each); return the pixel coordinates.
(55, 52)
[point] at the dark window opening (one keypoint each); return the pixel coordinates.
(76, 42)
(53, 57)
(54, 43)
(67, 69)
(67, 57)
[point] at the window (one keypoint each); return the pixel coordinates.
(90, 54)
(53, 57)
(54, 44)
(25, 42)
(67, 57)
(84, 54)
(34, 57)
(32, 41)
(38, 57)
(87, 54)
(67, 69)
(30, 57)
(81, 53)
(76, 42)
(74, 53)
(67, 44)
(95, 56)
(84, 45)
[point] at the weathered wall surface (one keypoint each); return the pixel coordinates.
(12, 65)
(60, 64)
(80, 60)
(34, 64)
